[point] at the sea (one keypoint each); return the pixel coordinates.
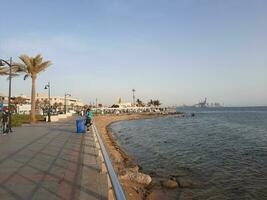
(221, 153)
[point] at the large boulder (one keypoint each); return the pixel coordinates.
(135, 176)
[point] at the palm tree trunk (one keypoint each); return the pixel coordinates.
(33, 120)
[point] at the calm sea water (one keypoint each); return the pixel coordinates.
(223, 151)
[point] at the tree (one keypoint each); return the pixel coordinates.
(44, 105)
(86, 106)
(140, 103)
(55, 106)
(3, 71)
(15, 70)
(115, 106)
(60, 105)
(19, 100)
(32, 66)
(156, 103)
(72, 106)
(150, 103)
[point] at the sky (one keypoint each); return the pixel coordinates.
(177, 51)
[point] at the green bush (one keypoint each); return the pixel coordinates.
(18, 120)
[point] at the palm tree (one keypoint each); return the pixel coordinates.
(4, 71)
(139, 103)
(32, 66)
(156, 103)
(150, 103)
(19, 100)
(60, 105)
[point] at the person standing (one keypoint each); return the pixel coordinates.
(89, 117)
(5, 119)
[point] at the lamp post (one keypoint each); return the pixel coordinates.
(65, 103)
(47, 87)
(133, 90)
(96, 105)
(9, 89)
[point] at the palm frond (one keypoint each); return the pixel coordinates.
(3, 71)
(19, 66)
(43, 66)
(12, 75)
(26, 59)
(37, 60)
(26, 76)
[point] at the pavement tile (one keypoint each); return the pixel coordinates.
(40, 164)
(4, 195)
(20, 186)
(43, 194)
(35, 169)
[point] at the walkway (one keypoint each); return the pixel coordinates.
(50, 161)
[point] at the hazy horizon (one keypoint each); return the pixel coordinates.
(176, 51)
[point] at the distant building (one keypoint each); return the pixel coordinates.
(125, 105)
(71, 102)
(122, 104)
(24, 109)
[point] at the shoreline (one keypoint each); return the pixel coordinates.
(135, 183)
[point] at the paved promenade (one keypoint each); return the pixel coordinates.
(50, 161)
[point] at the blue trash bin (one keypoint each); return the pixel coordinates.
(80, 125)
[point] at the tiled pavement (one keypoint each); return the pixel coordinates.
(50, 161)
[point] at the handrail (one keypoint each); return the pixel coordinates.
(119, 194)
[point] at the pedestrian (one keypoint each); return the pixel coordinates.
(5, 120)
(89, 117)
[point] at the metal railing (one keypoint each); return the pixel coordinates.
(117, 189)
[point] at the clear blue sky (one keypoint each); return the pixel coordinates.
(176, 51)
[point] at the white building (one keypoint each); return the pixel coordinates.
(24, 109)
(125, 105)
(71, 102)
(122, 104)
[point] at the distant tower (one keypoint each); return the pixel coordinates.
(133, 90)
(119, 101)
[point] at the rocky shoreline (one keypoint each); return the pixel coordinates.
(135, 183)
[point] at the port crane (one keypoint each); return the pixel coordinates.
(202, 104)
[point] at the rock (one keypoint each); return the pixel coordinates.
(171, 184)
(136, 177)
(134, 169)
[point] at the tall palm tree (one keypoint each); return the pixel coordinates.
(32, 66)
(3, 71)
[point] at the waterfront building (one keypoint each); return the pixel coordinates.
(71, 102)
(24, 109)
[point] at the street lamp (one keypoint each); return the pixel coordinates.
(47, 87)
(65, 103)
(96, 105)
(2, 63)
(133, 90)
